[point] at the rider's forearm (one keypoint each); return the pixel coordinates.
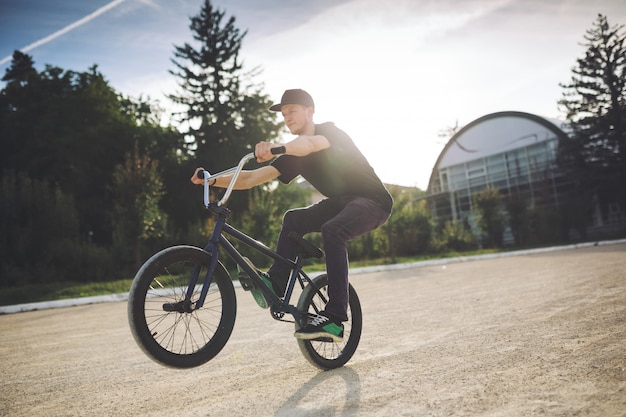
(243, 181)
(305, 145)
(248, 179)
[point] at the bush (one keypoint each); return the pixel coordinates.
(490, 216)
(455, 236)
(41, 239)
(519, 220)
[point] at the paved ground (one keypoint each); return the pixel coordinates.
(539, 334)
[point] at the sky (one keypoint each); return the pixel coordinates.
(393, 75)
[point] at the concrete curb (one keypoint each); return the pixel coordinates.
(45, 305)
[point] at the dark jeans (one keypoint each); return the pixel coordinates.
(340, 220)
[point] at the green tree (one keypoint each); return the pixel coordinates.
(519, 219)
(575, 213)
(66, 127)
(39, 235)
(165, 145)
(409, 229)
(456, 236)
(594, 103)
(488, 207)
(262, 219)
(223, 112)
(137, 218)
(71, 129)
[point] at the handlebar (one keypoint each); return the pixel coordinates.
(206, 175)
(279, 150)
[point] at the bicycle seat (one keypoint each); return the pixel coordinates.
(307, 249)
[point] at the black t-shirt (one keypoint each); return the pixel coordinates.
(338, 171)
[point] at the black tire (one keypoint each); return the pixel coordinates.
(173, 338)
(330, 355)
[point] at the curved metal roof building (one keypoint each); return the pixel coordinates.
(514, 152)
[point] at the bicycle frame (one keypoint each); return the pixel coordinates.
(218, 239)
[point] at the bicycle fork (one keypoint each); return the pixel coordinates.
(187, 305)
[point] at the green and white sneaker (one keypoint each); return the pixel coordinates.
(321, 328)
(246, 284)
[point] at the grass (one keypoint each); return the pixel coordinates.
(58, 291)
(64, 290)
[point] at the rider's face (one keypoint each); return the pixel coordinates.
(298, 118)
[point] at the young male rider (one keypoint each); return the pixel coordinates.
(356, 201)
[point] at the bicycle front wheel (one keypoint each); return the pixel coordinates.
(170, 330)
(328, 354)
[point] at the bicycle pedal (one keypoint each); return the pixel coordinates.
(323, 339)
(244, 278)
(248, 285)
(245, 281)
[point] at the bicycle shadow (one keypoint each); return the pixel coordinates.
(321, 395)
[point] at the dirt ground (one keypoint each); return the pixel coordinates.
(541, 334)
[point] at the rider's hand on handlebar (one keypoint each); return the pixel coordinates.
(195, 179)
(263, 151)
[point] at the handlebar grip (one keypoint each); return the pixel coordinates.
(279, 150)
(200, 175)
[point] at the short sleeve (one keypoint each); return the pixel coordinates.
(288, 168)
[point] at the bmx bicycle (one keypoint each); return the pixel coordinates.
(182, 303)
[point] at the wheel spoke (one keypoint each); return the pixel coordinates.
(168, 328)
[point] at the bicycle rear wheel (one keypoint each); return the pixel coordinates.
(327, 354)
(169, 331)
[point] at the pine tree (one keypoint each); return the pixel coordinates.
(594, 103)
(225, 116)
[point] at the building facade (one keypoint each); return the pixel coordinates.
(514, 152)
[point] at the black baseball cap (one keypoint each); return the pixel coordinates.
(296, 96)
